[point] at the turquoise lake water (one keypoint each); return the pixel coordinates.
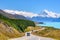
(52, 24)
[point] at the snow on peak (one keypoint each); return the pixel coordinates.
(52, 14)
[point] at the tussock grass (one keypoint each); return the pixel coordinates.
(49, 32)
(3, 37)
(30, 28)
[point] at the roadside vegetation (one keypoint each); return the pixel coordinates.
(49, 32)
(30, 28)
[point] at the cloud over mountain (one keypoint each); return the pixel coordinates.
(26, 14)
(45, 13)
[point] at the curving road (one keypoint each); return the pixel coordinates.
(32, 37)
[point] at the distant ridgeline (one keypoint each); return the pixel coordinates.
(19, 24)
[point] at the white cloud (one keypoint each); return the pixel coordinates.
(30, 14)
(26, 14)
(9, 11)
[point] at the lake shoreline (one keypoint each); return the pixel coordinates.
(50, 24)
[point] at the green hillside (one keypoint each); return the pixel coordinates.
(11, 28)
(18, 24)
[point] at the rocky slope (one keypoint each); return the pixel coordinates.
(7, 31)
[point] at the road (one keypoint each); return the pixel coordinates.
(32, 37)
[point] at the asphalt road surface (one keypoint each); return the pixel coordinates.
(32, 37)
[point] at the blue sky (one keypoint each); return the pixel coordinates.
(35, 6)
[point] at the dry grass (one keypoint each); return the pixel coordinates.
(49, 32)
(3, 37)
(30, 28)
(6, 31)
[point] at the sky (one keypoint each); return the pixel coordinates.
(35, 6)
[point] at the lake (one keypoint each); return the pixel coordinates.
(52, 24)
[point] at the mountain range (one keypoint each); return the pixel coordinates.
(44, 16)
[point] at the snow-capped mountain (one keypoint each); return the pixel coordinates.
(47, 16)
(43, 16)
